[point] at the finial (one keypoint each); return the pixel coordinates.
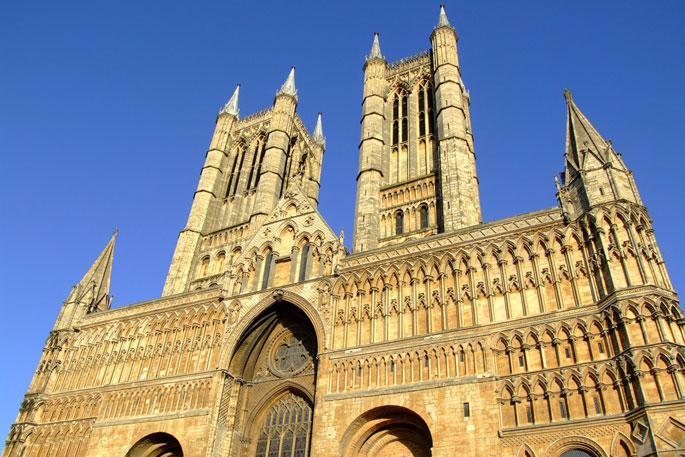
(375, 49)
(567, 96)
(232, 106)
(556, 181)
(288, 87)
(318, 133)
(116, 232)
(442, 21)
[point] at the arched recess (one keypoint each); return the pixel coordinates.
(275, 360)
(387, 431)
(156, 445)
(575, 446)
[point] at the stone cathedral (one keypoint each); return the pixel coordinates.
(546, 334)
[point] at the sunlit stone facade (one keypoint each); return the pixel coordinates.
(547, 334)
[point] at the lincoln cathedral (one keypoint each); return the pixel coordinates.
(555, 333)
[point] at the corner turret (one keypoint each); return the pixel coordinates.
(594, 172)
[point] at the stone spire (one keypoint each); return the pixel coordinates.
(288, 87)
(443, 22)
(584, 144)
(375, 49)
(95, 283)
(91, 294)
(318, 133)
(594, 172)
(232, 106)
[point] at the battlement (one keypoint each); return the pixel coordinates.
(410, 63)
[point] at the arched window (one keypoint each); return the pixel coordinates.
(259, 164)
(221, 260)
(395, 132)
(423, 212)
(304, 258)
(204, 267)
(267, 270)
(399, 223)
(235, 176)
(287, 429)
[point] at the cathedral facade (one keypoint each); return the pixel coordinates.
(546, 334)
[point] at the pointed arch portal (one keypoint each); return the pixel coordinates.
(276, 359)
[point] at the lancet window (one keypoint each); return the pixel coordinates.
(236, 167)
(399, 223)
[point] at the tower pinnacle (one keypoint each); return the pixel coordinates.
(288, 87)
(442, 21)
(232, 106)
(318, 133)
(375, 49)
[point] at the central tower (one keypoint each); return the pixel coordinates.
(417, 167)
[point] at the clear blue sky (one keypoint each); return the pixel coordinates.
(107, 109)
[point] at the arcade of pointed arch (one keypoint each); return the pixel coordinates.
(495, 280)
(164, 344)
(297, 246)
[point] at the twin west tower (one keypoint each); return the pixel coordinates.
(417, 168)
(555, 333)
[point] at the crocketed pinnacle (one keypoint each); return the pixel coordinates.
(375, 49)
(232, 105)
(443, 22)
(582, 139)
(288, 87)
(94, 287)
(318, 133)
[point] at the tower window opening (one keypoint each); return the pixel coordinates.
(395, 132)
(359, 371)
(259, 164)
(521, 361)
(399, 223)
(236, 176)
(529, 415)
(392, 366)
(267, 270)
(425, 361)
(304, 258)
(562, 409)
(467, 409)
(598, 410)
(423, 215)
(601, 348)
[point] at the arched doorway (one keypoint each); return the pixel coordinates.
(156, 445)
(389, 431)
(275, 359)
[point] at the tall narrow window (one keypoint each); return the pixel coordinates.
(236, 179)
(404, 129)
(562, 409)
(204, 267)
(304, 258)
(399, 223)
(267, 270)
(255, 155)
(467, 410)
(395, 132)
(423, 212)
(231, 176)
(422, 124)
(259, 164)
(598, 409)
